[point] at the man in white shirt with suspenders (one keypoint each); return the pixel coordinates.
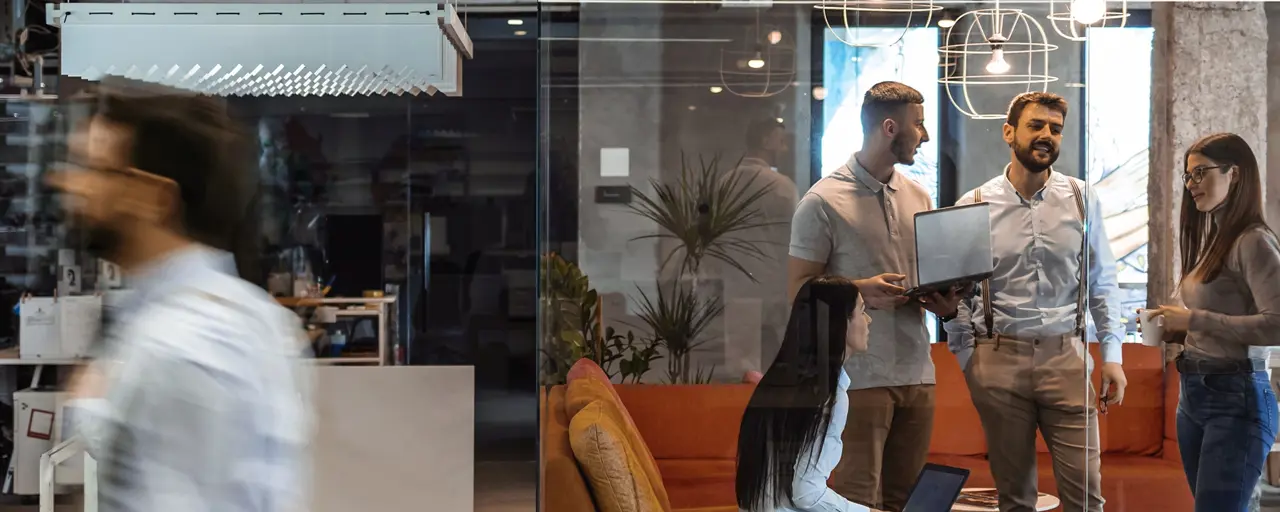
(1020, 342)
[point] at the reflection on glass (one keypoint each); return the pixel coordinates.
(849, 71)
(1118, 138)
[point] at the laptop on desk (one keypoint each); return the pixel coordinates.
(953, 248)
(936, 489)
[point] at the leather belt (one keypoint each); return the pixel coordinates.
(1219, 366)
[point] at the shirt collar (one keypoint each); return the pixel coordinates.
(864, 176)
(1039, 195)
(844, 381)
(181, 266)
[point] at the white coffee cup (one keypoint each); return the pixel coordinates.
(1152, 330)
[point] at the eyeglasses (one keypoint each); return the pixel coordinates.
(1197, 175)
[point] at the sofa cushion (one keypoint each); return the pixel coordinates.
(957, 429)
(688, 421)
(564, 488)
(613, 470)
(694, 483)
(589, 389)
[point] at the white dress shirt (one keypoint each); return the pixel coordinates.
(207, 405)
(1035, 242)
(809, 488)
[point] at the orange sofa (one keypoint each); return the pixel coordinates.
(692, 433)
(1141, 470)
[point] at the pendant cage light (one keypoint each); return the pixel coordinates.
(842, 17)
(1079, 15)
(764, 66)
(268, 49)
(981, 45)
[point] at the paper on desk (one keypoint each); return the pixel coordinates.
(38, 330)
(79, 319)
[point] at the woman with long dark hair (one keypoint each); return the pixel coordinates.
(789, 441)
(1231, 291)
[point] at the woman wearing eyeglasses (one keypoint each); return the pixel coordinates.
(789, 441)
(1231, 289)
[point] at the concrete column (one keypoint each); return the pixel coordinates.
(1209, 75)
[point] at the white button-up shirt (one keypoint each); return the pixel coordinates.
(207, 400)
(809, 488)
(1035, 242)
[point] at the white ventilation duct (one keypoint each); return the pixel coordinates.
(268, 49)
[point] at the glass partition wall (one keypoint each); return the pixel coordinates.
(425, 198)
(695, 154)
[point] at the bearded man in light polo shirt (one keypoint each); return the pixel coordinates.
(859, 223)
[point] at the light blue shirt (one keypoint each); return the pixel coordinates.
(207, 403)
(1035, 243)
(809, 489)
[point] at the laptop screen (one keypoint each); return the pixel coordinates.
(953, 243)
(937, 489)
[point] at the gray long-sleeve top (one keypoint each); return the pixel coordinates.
(1237, 315)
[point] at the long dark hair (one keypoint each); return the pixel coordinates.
(791, 405)
(1205, 243)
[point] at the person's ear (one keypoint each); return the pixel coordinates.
(1235, 174)
(1007, 131)
(889, 127)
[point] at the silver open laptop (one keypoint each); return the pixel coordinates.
(953, 248)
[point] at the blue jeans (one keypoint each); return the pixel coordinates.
(1226, 426)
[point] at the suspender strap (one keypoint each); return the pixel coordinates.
(1083, 259)
(987, 317)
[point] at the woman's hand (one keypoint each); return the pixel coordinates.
(1177, 319)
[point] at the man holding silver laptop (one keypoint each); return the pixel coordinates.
(859, 223)
(1020, 341)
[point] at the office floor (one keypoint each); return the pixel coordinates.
(500, 487)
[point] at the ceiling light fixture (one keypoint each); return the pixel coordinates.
(1073, 24)
(515, 22)
(946, 23)
(1088, 12)
(997, 65)
(758, 67)
(521, 33)
(756, 62)
(715, 89)
(819, 93)
(775, 37)
(849, 14)
(267, 49)
(978, 54)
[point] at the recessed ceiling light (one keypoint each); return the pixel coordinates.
(521, 32)
(515, 22)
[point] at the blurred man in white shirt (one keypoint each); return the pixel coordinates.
(199, 402)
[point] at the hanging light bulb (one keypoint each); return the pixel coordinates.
(715, 89)
(1088, 12)
(756, 62)
(997, 65)
(946, 22)
(775, 37)
(819, 93)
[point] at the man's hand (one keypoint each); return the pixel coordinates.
(1113, 383)
(943, 305)
(881, 293)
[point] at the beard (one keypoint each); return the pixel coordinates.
(99, 241)
(1029, 159)
(905, 155)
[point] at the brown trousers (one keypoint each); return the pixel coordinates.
(886, 442)
(1019, 386)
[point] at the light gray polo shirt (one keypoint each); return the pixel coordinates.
(863, 228)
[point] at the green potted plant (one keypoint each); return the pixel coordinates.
(573, 330)
(705, 212)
